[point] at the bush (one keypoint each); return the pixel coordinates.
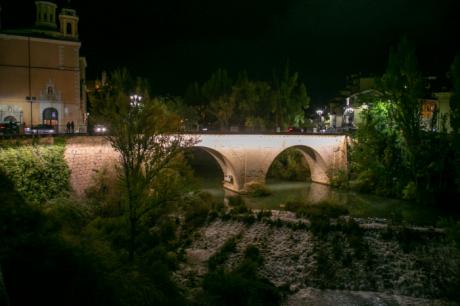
(452, 228)
(222, 254)
(258, 190)
(238, 205)
(320, 210)
(241, 286)
(410, 191)
(340, 180)
(39, 173)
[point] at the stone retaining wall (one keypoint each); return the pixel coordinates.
(85, 156)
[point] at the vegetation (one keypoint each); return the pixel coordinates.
(141, 131)
(222, 102)
(39, 172)
(241, 285)
(290, 165)
(119, 245)
(392, 155)
(258, 190)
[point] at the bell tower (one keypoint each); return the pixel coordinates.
(46, 14)
(69, 22)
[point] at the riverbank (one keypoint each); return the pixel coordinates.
(353, 261)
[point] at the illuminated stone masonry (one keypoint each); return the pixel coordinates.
(244, 159)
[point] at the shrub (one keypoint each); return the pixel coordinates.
(258, 190)
(410, 191)
(222, 254)
(452, 228)
(241, 286)
(340, 179)
(323, 209)
(39, 173)
(238, 205)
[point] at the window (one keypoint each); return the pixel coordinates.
(50, 116)
(69, 28)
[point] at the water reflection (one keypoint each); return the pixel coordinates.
(359, 205)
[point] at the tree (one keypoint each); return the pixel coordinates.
(289, 99)
(402, 86)
(252, 98)
(145, 134)
(222, 108)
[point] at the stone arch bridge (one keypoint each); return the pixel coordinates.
(243, 158)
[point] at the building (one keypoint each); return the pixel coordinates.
(42, 76)
(345, 108)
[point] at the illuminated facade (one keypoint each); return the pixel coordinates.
(42, 76)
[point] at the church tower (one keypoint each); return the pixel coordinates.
(46, 15)
(69, 23)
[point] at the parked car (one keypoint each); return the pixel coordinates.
(9, 128)
(100, 129)
(295, 130)
(41, 129)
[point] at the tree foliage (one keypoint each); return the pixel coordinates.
(402, 85)
(252, 104)
(146, 136)
(392, 154)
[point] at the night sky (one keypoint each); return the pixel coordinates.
(176, 42)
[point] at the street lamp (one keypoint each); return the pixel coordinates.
(31, 100)
(135, 100)
(349, 115)
(320, 115)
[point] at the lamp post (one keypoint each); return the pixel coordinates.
(320, 115)
(349, 116)
(31, 100)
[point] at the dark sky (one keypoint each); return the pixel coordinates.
(175, 42)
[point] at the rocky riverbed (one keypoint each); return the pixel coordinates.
(349, 262)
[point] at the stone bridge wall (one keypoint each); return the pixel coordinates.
(243, 158)
(85, 156)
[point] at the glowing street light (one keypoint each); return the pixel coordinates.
(135, 100)
(320, 115)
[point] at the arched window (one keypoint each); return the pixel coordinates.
(69, 28)
(50, 116)
(50, 90)
(10, 119)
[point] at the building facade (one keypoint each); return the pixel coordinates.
(42, 76)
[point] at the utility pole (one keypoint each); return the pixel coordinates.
(29, 97)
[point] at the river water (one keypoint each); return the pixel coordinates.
(359, 205)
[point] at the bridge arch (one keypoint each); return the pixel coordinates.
(231, 178)
(317, 165)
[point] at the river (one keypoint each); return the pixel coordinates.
(209, 177)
